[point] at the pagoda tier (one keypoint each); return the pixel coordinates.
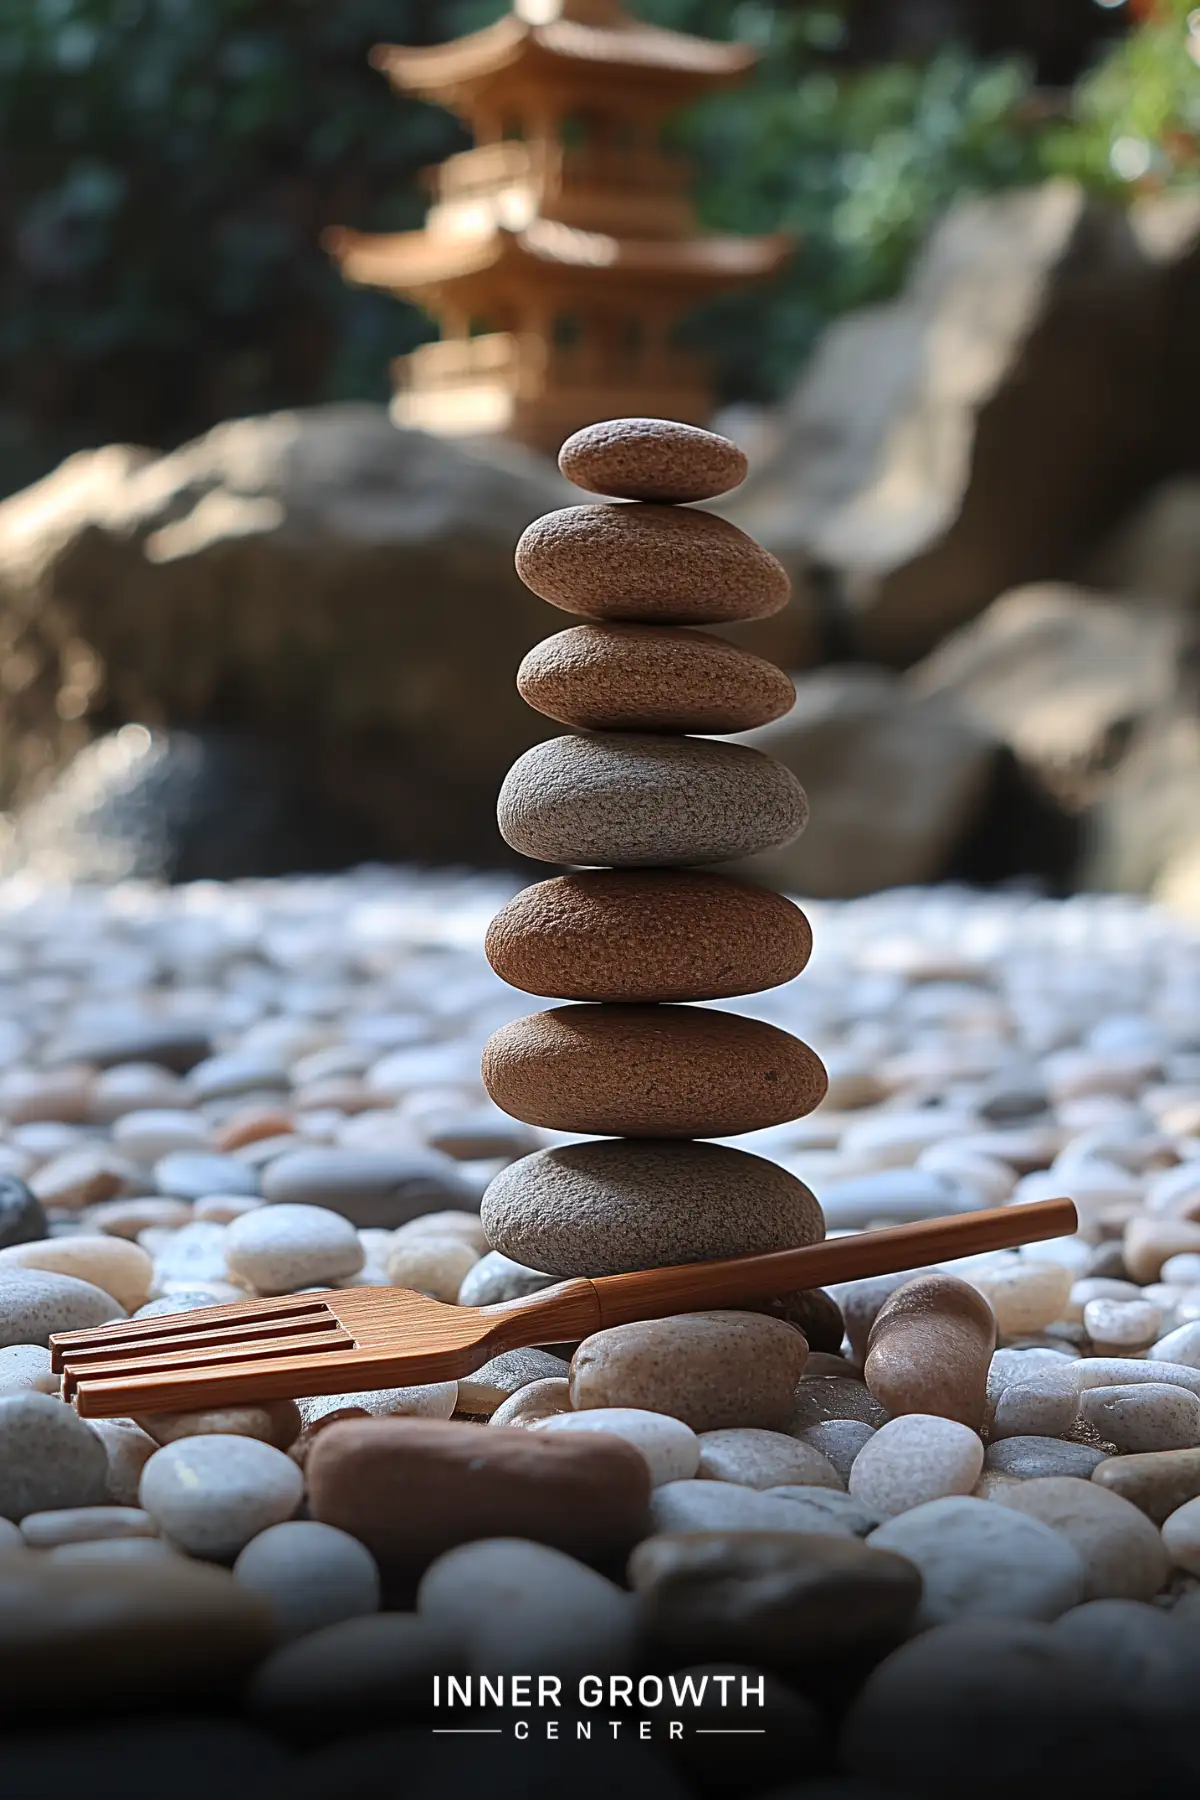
(560, 253)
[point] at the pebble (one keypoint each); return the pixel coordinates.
(840, 1440)
(1121, 1327)
(435, 1400)
(410, 1489)
(814, 1313)
(363, 1671)
(1179, 1346)
(431, 1265)
(543, 1399)
(465, 1225)
(651, 678)
(1121, 1551)
(713, 1370)
(117, 1268)
(1151, 1241)
(49, 1457)
(688, 1506)
(82, 1178)
(763, 1459)
(655, 935)
(26, 1366)
(782, 1600)
(171, 1632)
(650, 1071)
(671, 1448)
(1028, 1457)
(126, 1218)
(1121, 1371)
(1149, 1416)
(915, 1459)
(21, 1216)
(860, 1302)
(649, 562)
(310, 1575)
(515, 1606)
(191, 1175)
(371, 1188)
(127, 1449)
(85, 1524)
(274, 1422)
(147, 1135)
(930, 1350)
(1023, 1294)
(652, 459)
(212, 1494)
(505, 1375)
(1045, 1404)
(496, 1277)
(631, 800)
(894, 1197)
(1181, 1536)
(34, 1303)
(605, 1207)
(827, 1397)
(978, 1558)
(277, 1249)
(1157, 1482)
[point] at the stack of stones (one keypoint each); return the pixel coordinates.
(637, 805)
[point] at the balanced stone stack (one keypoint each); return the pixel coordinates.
(634, 802)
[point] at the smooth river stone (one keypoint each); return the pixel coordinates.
(21, 1215)
(1157, 1482)
(659, 564)
(1025, 1458)
(764, 1459)
(279, 1248)
(631, 800)
(930, 1349)
(50, 1458)
(410, 1489)
(431, 1265)
(310, 1575)
(607, 1207)
(481, 1392)
(661, 934)
(1025, 1295)
(1181, 1536)
(530, 1405)
(915, 1459)
(652, 459)
(780, 1599)
(369, 1187)
(713, 1370)
(839, 1440)
(1149, 1416)
(35, 1303)
(861, 1301)
(651, 678)
(671, 1448)
(976, 1557)
(516, 1606)
(650, 1072)
(212, 1494)
(1122, 1553)
(116, 1267)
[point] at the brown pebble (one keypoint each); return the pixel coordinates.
(651, 678)
(607, 1206)
(650, 1071)
(713, 1370)
(410, 1489)
(815, 1313)
(652, 459)
(1151, 1239)
(251, 1124)
(629, 799)
(930, 1350)
(634, 935)
(664, 564)
(1157, 1481)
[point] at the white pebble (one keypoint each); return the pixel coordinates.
(211, 1495)
(278, 1249)
(671, 1448)
(1152, 1416)
(914, 1459)
(311, 1575)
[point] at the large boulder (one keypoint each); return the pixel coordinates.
(1063, 676)
(338, 588)
(983, 429)
(894, 782)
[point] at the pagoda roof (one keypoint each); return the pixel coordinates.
(563, 47)
(409, 261)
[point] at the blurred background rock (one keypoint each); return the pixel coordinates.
(971, 403)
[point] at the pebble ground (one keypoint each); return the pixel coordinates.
(216, 1091)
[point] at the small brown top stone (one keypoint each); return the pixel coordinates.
(651, 678)
(632, 800)
(650, 1071)
(652, 459)
(661, 563)
(642, 935)
(930, 1350)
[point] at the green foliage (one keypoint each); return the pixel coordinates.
(1135, 120)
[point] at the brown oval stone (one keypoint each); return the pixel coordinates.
(411, 1488)
(1157, 1481)
(930, 1350)
(662, 934)
(630, 800)
(651, 678)
(713, 1370)
(663, 563)
(604, 1207)
(652, 459)
(650, 1071)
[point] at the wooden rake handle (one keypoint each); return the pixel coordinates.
(693, 1287)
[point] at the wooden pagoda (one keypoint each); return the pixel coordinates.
(562, 251)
